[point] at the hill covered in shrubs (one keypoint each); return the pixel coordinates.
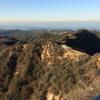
(47, 66)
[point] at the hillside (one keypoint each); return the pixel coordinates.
(50, 67)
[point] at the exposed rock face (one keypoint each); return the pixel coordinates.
(48, 52)
(48, 71)
(51, 96)
(73, 54)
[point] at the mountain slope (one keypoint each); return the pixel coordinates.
(48, 70)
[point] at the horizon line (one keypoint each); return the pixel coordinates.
(59, 21)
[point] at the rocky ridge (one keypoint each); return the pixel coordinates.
(48, 71)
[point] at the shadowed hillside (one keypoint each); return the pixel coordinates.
(84, 40)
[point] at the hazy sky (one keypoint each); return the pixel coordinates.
(49, 10)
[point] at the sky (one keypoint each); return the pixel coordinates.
(17, 11)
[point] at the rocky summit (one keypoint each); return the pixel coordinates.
(50, 66)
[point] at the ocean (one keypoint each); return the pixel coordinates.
(52, 25)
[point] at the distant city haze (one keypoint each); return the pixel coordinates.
(28, 11)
